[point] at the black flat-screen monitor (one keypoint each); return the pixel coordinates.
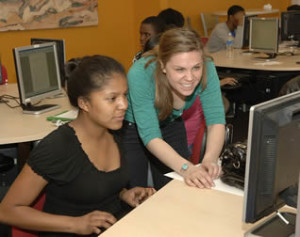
(273, 161)
(61, 55)
(290, 25)
(246, 30)
(38, 76)
(264, 36)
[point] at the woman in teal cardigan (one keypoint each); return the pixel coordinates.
(163, 84)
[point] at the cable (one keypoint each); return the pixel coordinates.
(7, 98)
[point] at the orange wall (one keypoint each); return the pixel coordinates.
(117, 32)
(114, 36)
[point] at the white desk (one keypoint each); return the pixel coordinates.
(182, 211)
(17, 127)
(242, 60)
(249, 12)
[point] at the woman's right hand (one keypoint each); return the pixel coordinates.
(197, 176)
(92, 222)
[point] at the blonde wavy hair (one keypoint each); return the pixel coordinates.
(178, 40)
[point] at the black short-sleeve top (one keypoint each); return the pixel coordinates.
(75, 186)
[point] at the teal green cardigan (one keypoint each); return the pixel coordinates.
(141, 99)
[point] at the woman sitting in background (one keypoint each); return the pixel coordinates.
(80, 165)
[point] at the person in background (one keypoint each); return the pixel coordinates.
(162, 84)
(231, 82)
(233, 25)
(80, 166)
(295, 5)
(150, 26)
(172, 18)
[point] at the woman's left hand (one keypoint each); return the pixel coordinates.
(136, 196)
(214, 170)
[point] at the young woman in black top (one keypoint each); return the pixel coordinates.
(80, 165)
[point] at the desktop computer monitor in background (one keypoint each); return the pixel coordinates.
(246, 30)
(290, 26)
(38, 76)
(264, 36)
(61, 55)
(273, 163)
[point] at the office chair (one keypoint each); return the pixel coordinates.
(16, 232)
(208, 21)
(290, 86)
(6, 164)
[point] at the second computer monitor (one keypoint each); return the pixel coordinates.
(60, 49)
(290, 25)
(264, 36)
(246, 30)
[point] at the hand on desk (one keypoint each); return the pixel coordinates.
(136, 196)
(202, 176)
(93, 222)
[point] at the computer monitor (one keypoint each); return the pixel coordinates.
(290, 26)
(264, 36)
(61, 55)
(38, 76)
(246, 30)
(272, 163)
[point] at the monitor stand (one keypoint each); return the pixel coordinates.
(268, 56)
(275, 227)
(38, 109)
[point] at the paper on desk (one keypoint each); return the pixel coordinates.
(220, 186)
(68, 115)
(268, 63)
(71, 114)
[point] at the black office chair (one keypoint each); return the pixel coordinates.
(6, 164)
(290, 86)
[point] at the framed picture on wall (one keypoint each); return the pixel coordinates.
(42, 14)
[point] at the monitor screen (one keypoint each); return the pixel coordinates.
(37, 72)
(60, 47)
(246, 30)
(290, 25)
(264, 35)
(273, 162)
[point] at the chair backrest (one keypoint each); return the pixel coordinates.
(290, 86)
(204, 40)
(16, 232)
(208, 22)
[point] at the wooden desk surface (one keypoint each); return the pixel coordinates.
(181, 211)
(243, 60)
(178, 210)
(16, 127)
